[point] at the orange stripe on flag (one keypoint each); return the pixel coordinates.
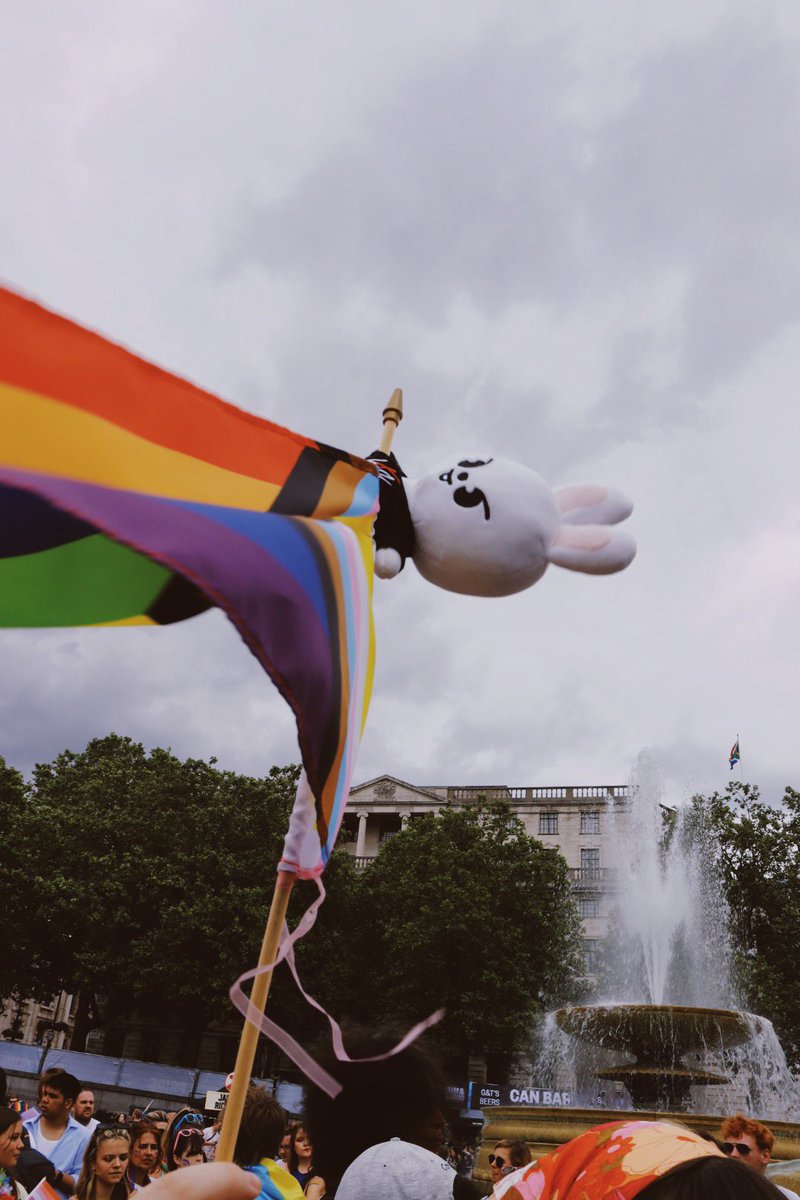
(45, 353)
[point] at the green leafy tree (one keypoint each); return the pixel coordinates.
(18, 978)
(141, 879)
(760, 859)
(465, 911)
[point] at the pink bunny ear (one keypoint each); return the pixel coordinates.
(591, 504)
(593, 549)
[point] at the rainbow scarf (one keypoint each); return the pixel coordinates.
(129, 496)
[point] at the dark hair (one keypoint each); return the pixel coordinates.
(518, 1153)
(261, 1129)
(85, 1187)
(711, 1178)
(187, 1141)
(294, 1162)
(378, 1101)
(9, 1117)
(60, 1081)
(190, 1121)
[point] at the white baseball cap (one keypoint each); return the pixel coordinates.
(397, 1170)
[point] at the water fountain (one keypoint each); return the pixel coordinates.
(670, 1008)
(663, 1039)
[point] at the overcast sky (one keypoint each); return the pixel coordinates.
(570, 233)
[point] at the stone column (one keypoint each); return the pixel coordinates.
(361, 842)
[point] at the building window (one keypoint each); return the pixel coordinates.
(590, 864)
(591, 955)
(389, 825)
(548, 822)
(589, 906)
(590, 822)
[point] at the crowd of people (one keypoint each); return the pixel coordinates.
(383, 1136)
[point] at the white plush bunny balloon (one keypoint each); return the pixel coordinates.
(489, 527)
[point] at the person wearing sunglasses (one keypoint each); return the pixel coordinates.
(183, 1140)
(751, 1143)
(188, 1148)
(507, 1157)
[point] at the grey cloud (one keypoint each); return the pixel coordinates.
(465, 179)
(700, 172)
(193, 687)
(405, 208)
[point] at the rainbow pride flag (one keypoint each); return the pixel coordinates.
(128, 496)
(44, 1191)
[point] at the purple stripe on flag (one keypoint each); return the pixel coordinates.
(263, 599)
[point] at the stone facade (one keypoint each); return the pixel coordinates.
(48, 1024)
(573, 820)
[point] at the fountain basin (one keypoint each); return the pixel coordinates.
(667, 1030)
(659, 1037)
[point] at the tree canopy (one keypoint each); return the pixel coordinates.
(468, 913)
(138, 877)
(759, 846)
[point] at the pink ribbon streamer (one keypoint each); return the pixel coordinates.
(292, 1048)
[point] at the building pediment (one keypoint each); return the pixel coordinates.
(387, 789)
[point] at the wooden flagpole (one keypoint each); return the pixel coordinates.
(392, 416)
(250, 1033)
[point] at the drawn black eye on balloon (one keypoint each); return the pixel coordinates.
(471, 499)
(466, 497)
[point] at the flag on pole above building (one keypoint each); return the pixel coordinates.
(734, 755)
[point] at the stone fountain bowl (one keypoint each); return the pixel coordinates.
(656, 1032)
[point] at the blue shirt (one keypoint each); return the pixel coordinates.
(67, 1153)
(276, 1182)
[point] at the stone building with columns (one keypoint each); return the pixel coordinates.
(578, 821)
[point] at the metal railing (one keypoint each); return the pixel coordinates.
(597, 876)
(125, 1081)
(534, 794)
